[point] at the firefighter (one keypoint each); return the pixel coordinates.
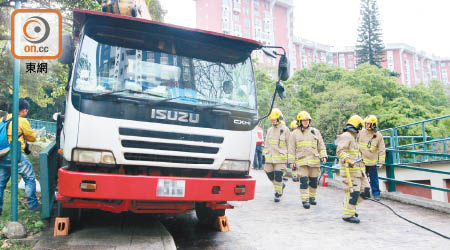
(306, 149)
(352, 168)
(276, 152)
(294, 126)
(371, 144)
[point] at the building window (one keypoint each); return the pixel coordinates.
(257, 23)
(246, 33)
(246, 11)
(256, 12)
(350, 56)
(206, 17)
(266, 4)
(350, 65)
(206, 4)
(256, 2)
(236, 18)
(247, 22)
(245, 1)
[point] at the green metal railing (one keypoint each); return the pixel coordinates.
(48, 170)
(50, 127)
(390, 171)
(425, 142)
(421, 149)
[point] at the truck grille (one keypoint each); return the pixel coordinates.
(169, 147)
(171, 136)
(167, 158)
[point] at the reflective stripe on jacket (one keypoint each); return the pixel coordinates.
(275, 148)
(348, 148)
(372, 147)
(306, 147)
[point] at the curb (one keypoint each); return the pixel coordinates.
(406, 199)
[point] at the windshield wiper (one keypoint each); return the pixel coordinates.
(125, 90)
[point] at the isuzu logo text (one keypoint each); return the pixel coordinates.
(171, 115)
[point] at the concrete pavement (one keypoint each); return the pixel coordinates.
(108, 231)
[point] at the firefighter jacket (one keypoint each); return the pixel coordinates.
(306, 147)
(276, 144)
(372, 147)
(348, 148)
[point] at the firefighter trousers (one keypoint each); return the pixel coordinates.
(308, 181)
(275, 173)
(353, 195)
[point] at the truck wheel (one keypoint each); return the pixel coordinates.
(74, 214)
(206, 215)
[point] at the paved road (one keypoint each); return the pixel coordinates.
(108, 231)
(263, 224)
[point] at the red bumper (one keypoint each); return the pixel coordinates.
(144, 188)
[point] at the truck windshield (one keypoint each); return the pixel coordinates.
(103, 68)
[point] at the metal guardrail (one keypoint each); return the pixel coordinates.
(50, 127)
(390, 170)
(424, 136)
(48, 171)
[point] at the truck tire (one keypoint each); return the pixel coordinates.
(74, 214)
(206, 215)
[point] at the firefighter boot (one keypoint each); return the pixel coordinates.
(352, 219)
(312, 200)
(305, 204)
(277, 197)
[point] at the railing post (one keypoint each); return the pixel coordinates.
(390, 171)
(396, 156)
(414, 149)
(425, 145)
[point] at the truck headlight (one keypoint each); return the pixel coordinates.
(92, 156)
(232, 165)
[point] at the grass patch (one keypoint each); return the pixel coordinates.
(32, 221)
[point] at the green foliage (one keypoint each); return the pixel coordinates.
(370, 47)
(332, 94)
(31, 221)
(156, 11)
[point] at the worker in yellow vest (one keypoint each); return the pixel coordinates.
(276, 152)
(257, 163)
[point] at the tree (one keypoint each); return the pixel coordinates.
(370, 47)
(156, 11)
(332, 94)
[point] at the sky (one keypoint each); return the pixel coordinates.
(422, 24)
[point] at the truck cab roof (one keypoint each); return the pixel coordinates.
(143, 34)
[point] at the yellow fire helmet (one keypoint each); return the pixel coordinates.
(294, 124)
(373, 121)
(275, 114)
(303, 115)
(355, 123)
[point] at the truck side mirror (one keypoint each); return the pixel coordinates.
(283, 68)
(68, 50)
(270, 53)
